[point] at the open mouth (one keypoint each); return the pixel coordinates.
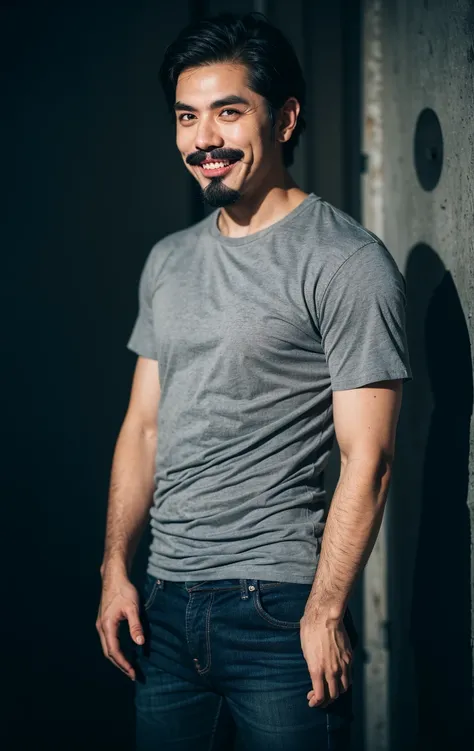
(217, 168)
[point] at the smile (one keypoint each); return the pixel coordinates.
(217, 169)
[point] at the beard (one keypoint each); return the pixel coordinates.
(218, 195)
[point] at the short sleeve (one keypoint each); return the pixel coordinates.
(143, 340)
(362, 320)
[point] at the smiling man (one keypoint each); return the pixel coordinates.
(273, 325)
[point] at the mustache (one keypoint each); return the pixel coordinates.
(198, 157)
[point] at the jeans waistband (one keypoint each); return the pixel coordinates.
(246, 586)
(195, 585)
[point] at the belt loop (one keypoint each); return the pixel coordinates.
(243, 590)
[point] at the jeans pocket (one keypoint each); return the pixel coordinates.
(281, 604)
(150, 589)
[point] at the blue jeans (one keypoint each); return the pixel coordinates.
(222, 669)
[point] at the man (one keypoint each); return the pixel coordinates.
(263, 330)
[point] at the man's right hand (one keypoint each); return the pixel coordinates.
(119, 602)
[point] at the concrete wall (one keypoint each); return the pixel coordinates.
(427, 49)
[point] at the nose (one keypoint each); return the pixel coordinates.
(207, 137)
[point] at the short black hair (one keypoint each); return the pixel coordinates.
(273, 68)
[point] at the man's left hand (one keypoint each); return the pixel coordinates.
(328, 654)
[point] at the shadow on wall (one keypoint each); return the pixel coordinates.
(429, 546)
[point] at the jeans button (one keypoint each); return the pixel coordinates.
(251, 588)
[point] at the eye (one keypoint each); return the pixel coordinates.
(230, 112)
(184, 117)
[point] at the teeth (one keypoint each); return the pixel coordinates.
(215, 165)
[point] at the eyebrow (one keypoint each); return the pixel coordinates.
(224, 102)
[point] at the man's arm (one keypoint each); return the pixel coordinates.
(130, 498)
(365, 422)
(131, 483)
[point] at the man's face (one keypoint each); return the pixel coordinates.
(224, 132)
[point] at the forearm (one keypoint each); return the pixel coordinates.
(130, 496)
(352, 527)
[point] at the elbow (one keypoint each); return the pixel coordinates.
(141, 429)
(384, 467)
(375, 466)
(149, 433)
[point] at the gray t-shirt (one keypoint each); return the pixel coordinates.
(252, 336)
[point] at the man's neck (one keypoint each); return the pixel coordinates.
(252, 214)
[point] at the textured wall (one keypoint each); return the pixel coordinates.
(428, 61)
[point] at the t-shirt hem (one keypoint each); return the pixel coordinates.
(265, 573)
(142, 352)
(365, 380)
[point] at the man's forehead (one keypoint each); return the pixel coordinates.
(211, 82)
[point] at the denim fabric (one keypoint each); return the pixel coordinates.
(222, 669)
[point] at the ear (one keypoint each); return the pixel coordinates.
(287, 119)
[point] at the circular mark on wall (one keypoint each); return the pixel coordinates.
(428, 151)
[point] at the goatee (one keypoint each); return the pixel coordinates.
(218, 195)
